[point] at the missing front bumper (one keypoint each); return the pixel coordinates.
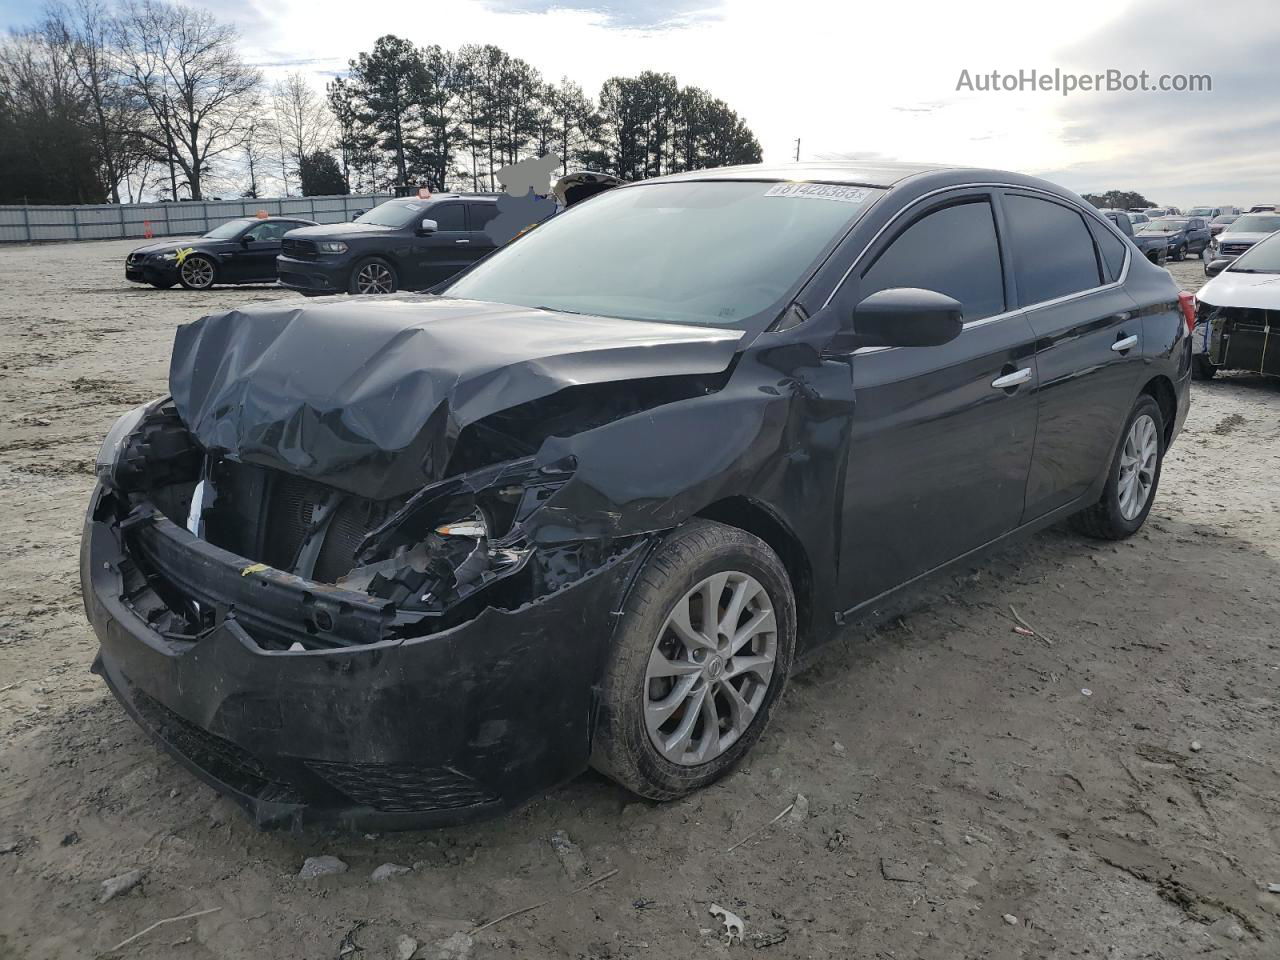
(391, 733)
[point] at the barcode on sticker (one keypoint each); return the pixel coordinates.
(819, 191)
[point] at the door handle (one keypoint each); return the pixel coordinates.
(1127, 343)
(1012, 379)
(462, 241)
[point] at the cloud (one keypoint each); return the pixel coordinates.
(1217, 146)
(627, 14)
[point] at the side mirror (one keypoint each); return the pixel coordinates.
(1215, 267)
(904, 317)
(246, 240)
(427, 226)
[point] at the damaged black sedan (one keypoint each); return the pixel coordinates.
(408, 560)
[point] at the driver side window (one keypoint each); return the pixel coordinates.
(267, 231)
(953, 251)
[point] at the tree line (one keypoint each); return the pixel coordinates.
(105, 101)
(426, 115)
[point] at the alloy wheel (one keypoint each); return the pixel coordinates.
(197, 272)
(710, 668)
(1138, 462)
(374, 278)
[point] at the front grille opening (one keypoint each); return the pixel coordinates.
(220, 758)
(403, 787)
(289, 522)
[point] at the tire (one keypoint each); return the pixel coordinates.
(1180, 254)
(1106, 519)
(674, 578)
(162, 284)
(1202, 367)
(373, 276)
(198, 272)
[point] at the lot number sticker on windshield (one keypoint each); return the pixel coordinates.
(819, 191)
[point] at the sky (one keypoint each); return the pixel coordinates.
(878, 81)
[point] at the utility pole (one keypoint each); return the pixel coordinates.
(797, 149)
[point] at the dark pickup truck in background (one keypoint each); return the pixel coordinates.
(1154, 248)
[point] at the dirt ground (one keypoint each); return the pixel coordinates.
(1111, 791)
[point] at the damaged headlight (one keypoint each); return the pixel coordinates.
(457, 537)
(116, 441)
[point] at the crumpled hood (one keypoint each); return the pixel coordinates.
(369, 394)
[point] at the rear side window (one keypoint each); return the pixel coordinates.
(953, 251)
(1053, 253)
(448, 216)
(481, 214)
(1112, 249)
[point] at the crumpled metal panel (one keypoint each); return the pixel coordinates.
(370, 397)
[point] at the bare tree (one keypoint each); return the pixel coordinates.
(302, 122)
(84, 30)
(184, 67)
(258, 138)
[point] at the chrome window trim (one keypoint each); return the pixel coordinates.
(1119, 281)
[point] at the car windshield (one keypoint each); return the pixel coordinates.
(1227, 218)
(713, 252)
(227, 230)
(1262, 257)
(1255, 223)
(393, 213)
(1200, 212)
(1164, 225)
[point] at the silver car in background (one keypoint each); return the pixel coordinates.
(1242, 234)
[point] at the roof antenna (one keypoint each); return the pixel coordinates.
(797, 149)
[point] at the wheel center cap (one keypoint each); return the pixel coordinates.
(714, 667)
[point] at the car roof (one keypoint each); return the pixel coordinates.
(907, 180)
(485, 197)
(881, 174)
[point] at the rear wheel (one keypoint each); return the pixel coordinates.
(1180, 254)
(1202, 367)
(197, 272)
(701, 655)
(374, 275)
(1132, 481)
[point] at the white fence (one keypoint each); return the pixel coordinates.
(112, 221)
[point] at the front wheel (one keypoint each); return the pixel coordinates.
(1132, 481)
(197, 272)
(701, 655)
(374, 275)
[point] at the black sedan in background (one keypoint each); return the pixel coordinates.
(412, 559)
(403, 244)
(239, 251)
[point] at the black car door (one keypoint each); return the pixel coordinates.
(479, 213)
(1198, 233)
(1088, 341)
(442, 253)
(941, 437)
(259, 247)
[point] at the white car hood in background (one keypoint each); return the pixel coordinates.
(1241, 237)
(1237, 289)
